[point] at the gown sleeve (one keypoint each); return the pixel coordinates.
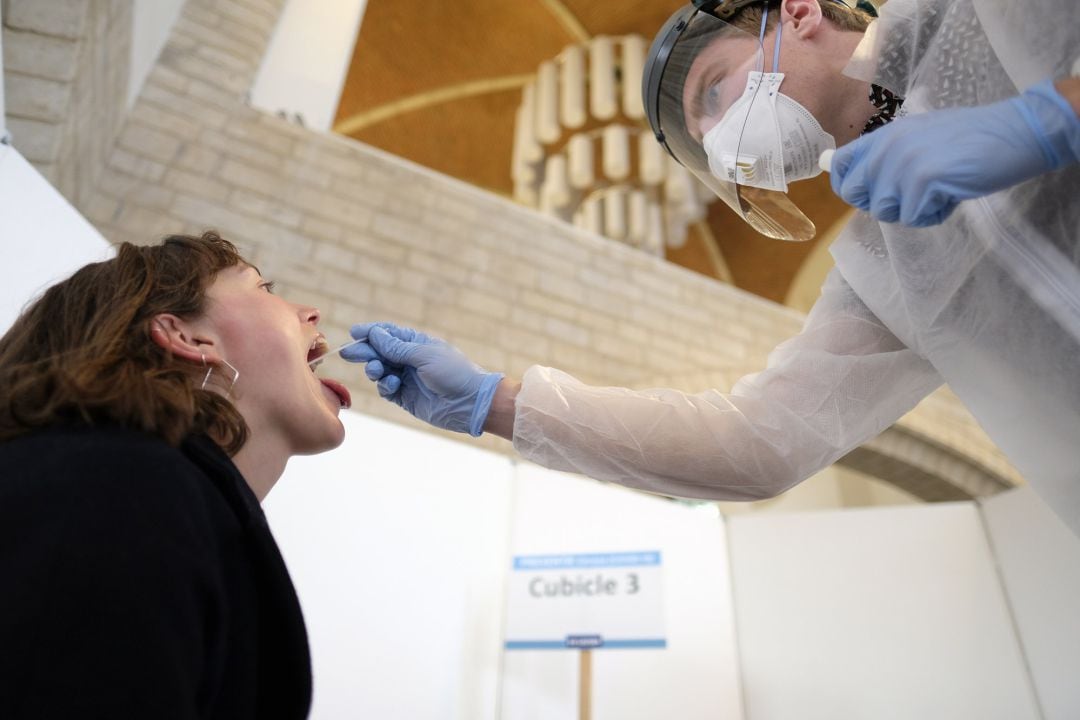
(838, 383)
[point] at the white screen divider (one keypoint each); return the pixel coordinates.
(875, 613)
(42, 237)
(1039, 560)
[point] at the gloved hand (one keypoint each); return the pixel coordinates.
(428, 377)
(916, 169)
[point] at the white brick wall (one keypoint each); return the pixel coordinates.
(60, 18)
(65, 66)
(36, 97)
(38, 55)
(366, 236)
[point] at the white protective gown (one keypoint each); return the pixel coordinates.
(988, 302)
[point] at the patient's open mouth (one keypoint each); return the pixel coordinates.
(317, 351)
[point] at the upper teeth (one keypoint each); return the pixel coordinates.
(318, 344)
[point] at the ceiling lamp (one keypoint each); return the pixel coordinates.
(582, 151)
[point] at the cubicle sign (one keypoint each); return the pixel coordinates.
(586, 601)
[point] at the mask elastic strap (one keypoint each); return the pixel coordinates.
(776, 48)
(779, 34)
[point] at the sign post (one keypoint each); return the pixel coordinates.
(585, 686)
(586, 602)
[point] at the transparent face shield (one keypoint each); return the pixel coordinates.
(720, 114)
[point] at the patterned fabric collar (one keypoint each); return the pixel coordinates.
(887, 104)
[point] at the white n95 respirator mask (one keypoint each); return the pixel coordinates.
(766, 139)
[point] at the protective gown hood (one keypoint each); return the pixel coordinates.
(991, 298)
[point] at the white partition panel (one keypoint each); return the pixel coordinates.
(42, 237)
(876, 614)
(696, 675)
(1039, 559)
(396, 543)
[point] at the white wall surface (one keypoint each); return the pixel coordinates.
(696, 675)
(151, 22)
(876, 614)
(399, 545)
(304, 68)
(1039, 558)
(396, 542)
(42, 237)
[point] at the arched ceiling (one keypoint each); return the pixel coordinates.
(439, 84)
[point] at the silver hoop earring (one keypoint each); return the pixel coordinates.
(209, 370)
(236, 376)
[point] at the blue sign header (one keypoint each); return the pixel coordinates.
(587, 560)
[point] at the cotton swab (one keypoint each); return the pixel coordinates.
(335, 351)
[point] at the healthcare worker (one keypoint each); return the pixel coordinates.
(748, 96)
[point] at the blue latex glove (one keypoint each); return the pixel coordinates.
(916, 169)
(428, 377)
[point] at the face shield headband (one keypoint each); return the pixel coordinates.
(714, 108)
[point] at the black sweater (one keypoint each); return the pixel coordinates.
(141, 581)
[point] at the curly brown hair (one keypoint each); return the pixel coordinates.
(83, 353)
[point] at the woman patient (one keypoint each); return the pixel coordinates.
(147, 405)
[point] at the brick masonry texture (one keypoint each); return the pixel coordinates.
(65, 70)
(364, 235)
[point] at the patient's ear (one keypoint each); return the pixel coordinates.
(181, 338)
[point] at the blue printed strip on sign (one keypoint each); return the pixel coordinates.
(561, 644)
(586, 560)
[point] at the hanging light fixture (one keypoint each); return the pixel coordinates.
(582, 151)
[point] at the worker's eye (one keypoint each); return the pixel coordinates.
(710, 100)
